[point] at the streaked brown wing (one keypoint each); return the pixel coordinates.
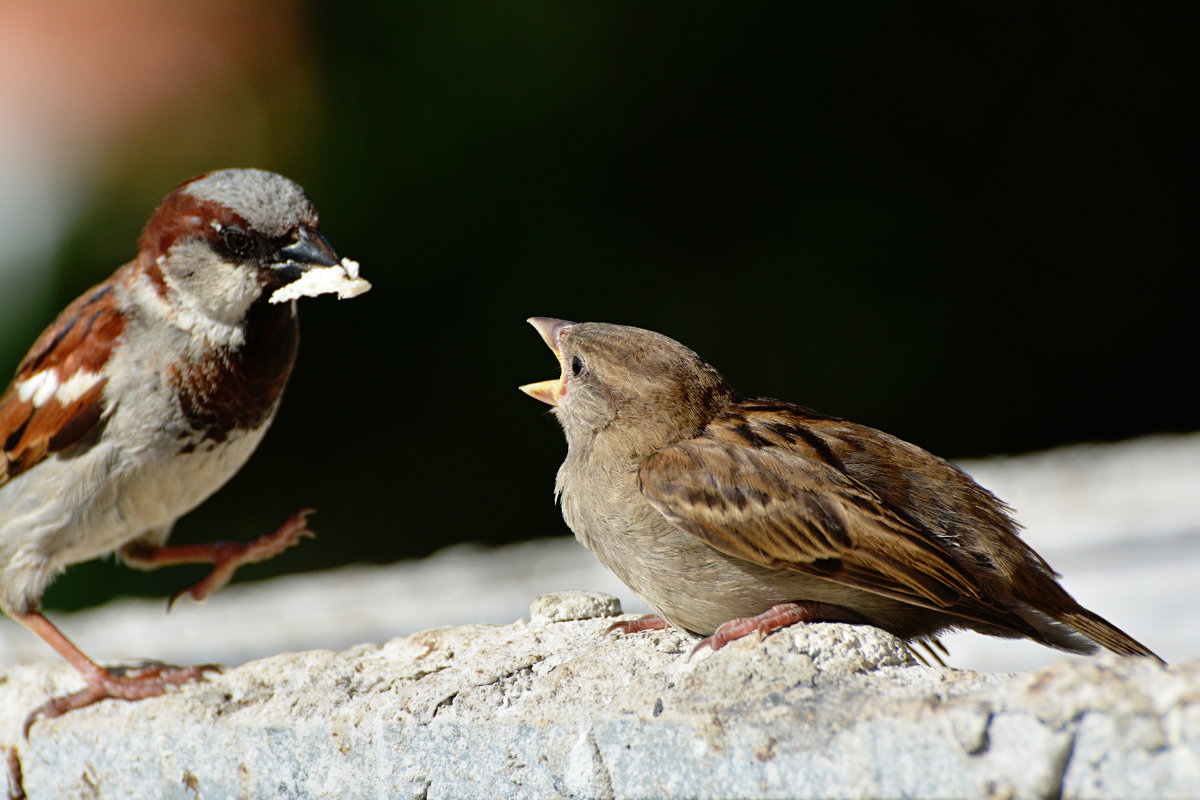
(77, 345)
(777, 508)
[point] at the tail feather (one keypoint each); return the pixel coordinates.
(1057, 634)
(1051, 604)
(1103, 632)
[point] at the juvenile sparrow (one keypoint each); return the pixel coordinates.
(146, 395)
(729, 514)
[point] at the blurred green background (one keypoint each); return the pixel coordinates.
(974, 226)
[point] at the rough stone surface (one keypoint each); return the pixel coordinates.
(566, 606)
(555, 709)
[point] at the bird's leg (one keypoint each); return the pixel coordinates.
(648, 622)
(154, 680)
(225, 557)
(777, 617)
(101, 683)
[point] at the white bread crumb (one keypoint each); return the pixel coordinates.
(342, 279)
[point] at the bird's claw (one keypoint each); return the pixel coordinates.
(150, 681)
(649, 622)
(228, 556)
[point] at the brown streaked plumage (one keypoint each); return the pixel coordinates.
(79, 341)
(146, 395)
(728, 514)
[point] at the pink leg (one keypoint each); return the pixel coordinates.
(777, 617)
(101, 683)
(225, 557)
(649, 622)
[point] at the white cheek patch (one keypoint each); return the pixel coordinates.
(341, 279)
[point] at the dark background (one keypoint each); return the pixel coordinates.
(973, 226)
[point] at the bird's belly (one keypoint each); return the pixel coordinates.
(90, 504)
(697, 589)
(689, 583)
(160, 494)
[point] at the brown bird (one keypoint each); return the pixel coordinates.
(729, 514)
(148, 393)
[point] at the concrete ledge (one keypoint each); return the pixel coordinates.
(552, 708)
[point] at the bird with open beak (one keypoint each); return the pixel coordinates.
(729, 515)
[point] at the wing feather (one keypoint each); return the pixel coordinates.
(57, 396)
(779, 507)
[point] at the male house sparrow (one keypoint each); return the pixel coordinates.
(729, 514)
(146, 395)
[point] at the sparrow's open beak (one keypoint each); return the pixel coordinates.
(550, 330)
(308, 250)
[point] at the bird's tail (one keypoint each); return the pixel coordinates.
(1071, 627)
(1103, 632)
(1064, 623)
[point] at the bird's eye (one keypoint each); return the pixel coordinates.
(576, 365)
(237, 240)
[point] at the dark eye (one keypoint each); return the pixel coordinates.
(237, 240)
(576, 365)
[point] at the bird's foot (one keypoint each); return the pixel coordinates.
(648, 622)
(774, 618)
(151, 681)
(226, 557)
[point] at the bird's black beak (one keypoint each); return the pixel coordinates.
(309, 249)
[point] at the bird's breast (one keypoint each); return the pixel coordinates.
(238, 389)
(684, 580)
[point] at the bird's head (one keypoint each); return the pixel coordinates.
(220, 241)
(632, 389)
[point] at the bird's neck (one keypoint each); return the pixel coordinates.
(238, 387)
